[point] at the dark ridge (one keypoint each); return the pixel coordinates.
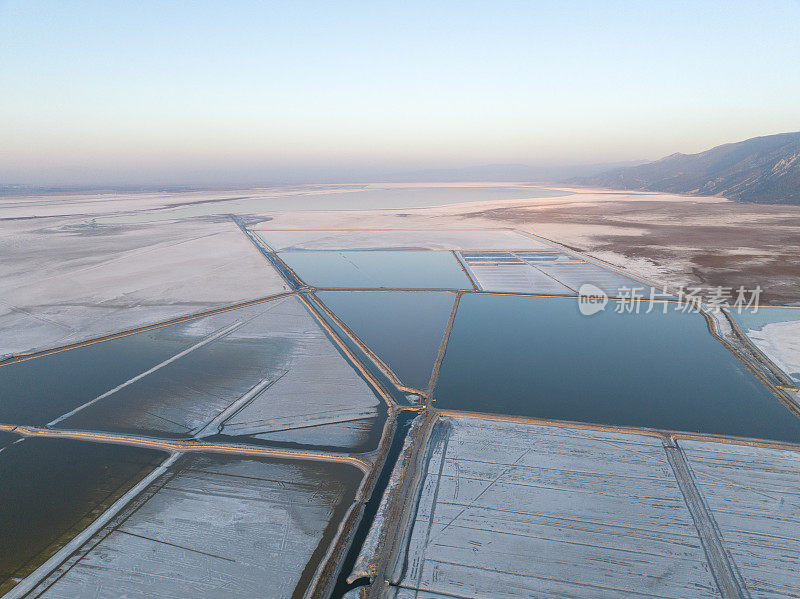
(763, 170)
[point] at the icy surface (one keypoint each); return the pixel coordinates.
(517, 279)
(350, 434)
(220, 527)
(540, 271)
(276, 369)
(754, 496)
(780, 341)
(516, 510)
(395, 239)
(318, 387)
(508, 271)
(575, 275)
(65, 280)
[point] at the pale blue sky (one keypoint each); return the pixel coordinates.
(194, 92)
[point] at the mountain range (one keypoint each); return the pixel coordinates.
(764, 170)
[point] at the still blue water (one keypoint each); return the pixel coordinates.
(390, 269)
(404, 329)
(541, 358)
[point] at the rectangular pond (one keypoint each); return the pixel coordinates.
(509, 510)
(40, 389)
(221, 526)
(404, 329)
(540, 357)
(37, 390)
(52, 489)
(272, 369)
(262, 370)
(378, 269)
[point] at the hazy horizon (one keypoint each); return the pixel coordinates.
(99, 93)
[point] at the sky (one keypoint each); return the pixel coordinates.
(200, 92)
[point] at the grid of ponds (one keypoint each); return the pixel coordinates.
(285, 381)
(506, 258)
(550, 272)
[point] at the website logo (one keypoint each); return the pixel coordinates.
(591, 299)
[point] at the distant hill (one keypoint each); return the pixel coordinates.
(765, 170)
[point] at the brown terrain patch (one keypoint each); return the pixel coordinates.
(687, 241)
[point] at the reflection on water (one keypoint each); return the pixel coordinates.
(53, 488)
(541, 358)
(367, 269)
(187, 393)
(403, 329)
(41, 389)
(6, 438)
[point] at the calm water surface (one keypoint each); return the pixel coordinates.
(6, 438)
(41, 389)
(541, 358)
(404, 329)
(53, 488)
(383, 269)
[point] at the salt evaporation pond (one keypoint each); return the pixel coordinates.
(749, 319)
(57, 487)
(542, 358)
(404, 329)
(378, 269)
(37, 390)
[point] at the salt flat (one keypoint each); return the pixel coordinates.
(780, 341)
(215, 527)
(504, 508)
(753, 495)
(64, 280)
(514, 509)
(393, 239)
